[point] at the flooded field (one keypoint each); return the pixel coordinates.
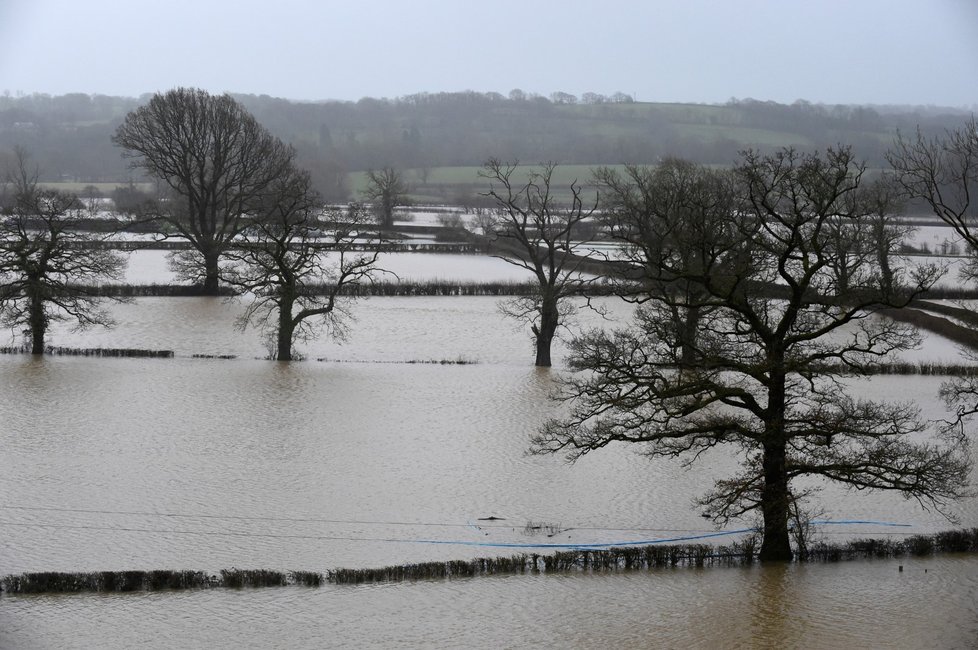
(364, 459)
(151, 266)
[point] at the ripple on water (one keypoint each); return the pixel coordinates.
(855, 604)
(321, 465)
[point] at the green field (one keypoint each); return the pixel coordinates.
(454, 134)
(105, 188)
(445, 183)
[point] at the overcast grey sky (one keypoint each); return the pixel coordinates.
(829, 51)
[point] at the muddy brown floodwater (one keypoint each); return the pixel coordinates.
(364, 460)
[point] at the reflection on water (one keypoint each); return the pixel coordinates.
(205, 464)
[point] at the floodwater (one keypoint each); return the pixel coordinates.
(150, 265)
(359, 458)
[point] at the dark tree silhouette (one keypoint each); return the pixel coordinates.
(760, 373)
(295, 261)
(386, 190)
(534, 231)
(49, 268)
(884, 205)
(214, 161)
(943, 172)
(670, 211)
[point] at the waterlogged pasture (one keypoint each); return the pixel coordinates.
(854, 605)
(367, 460)
(151, 267)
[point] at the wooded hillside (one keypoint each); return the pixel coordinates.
(69, 136)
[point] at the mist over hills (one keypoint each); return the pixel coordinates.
(69, 136)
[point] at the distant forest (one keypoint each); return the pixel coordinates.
(69, 136)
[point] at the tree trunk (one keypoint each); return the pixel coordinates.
(38, 324)
(211, 273)
(286, 328)
(886, 273)
(545, 332)
(688, 341)
(775, 498)
(776, 546)
(842, 273)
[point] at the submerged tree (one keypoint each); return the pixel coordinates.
(883, 203)
(296, 261)
(386, 190)
(48, 268)
(762, 372)
(214, 160)
(943, 173)
(536, 232)
(675, 210)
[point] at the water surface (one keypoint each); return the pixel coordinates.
(366, 460)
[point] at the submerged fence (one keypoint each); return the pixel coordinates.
(433, 287)
(655, 556)
(61, 351)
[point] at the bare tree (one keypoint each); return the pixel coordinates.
(45, 262)
(943, 172)
(762, 372)
(884, 205)
(385, 191)
(296, 262)
(534, 231)
(672, 211)
(214, 160)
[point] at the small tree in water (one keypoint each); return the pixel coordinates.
(760, 370)
(49, 269)
(295, 261)
(534, 231)
(386, 191)
(942, 172)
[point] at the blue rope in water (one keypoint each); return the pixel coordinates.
(843, 522)
(644, 542)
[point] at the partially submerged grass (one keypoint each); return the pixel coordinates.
(635, 558)
(115, 290)
(959, 334)
(114, 581)
(55, 582)
(539, 527)
(406, 288)
(238, 578)
(909, 368)
(949, 541)
(91, 352)
(457, 361)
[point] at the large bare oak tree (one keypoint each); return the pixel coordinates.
(762, 369)
(214, 161)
